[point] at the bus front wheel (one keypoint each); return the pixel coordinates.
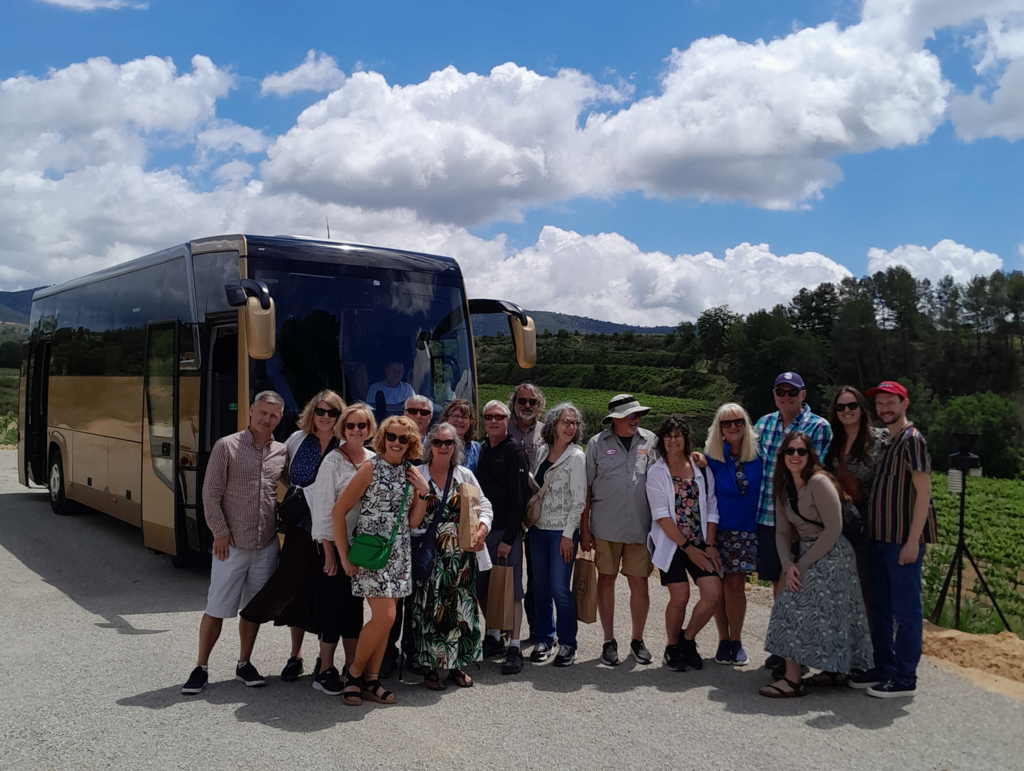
(58, 500)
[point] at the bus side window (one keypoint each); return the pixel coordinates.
(212, 271)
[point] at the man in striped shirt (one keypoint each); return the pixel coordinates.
(239, 500)
(901, 516)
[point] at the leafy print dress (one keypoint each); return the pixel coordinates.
(381, 505)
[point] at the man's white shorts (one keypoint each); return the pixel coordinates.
(237, 579)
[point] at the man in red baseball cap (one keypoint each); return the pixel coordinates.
(900, 517)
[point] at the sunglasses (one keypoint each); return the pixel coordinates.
(442, 442)
(404, 438)
(495, 417)
(354, 426)
(843, 407)
(522, 402)
(790, 392)
(415, 411)
(320, 412)
(801, 451)
(737, 423)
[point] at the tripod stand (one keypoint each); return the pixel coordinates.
(963, 461)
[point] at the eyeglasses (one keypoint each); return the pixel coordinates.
(569, 422)
(790, 392)
(801, 451)
(403, 439)
(523, 401)
(844, 406)
(320, 412)
(354, 426)
(415, 411)
(495, 417)
(736, 423)
(442, 442)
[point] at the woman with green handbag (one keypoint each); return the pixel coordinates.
(393, 499)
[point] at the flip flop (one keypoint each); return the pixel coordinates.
(773, 691)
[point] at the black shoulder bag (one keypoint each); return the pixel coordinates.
(293, 510)
(424, 547)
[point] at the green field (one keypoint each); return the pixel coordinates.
(8, 391)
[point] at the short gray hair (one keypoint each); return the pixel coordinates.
(417, 399)
(458, 451)
(547, 433)
(496, 403)
(270, 397)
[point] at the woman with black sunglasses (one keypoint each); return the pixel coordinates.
(818, 619)
(288, 598)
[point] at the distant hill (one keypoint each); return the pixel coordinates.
(9, 314)
(16, 306)
(546, 321)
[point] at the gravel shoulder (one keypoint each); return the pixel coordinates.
(98, 634)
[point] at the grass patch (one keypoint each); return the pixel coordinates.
(8, 390)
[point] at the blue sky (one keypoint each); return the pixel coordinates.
(929, 178)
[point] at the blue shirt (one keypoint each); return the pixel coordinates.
(471, 454)
(736, 511)
(772, 433)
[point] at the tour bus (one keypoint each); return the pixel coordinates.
(131, 374)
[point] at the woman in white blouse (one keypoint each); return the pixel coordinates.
(562, 474)
(340, 614)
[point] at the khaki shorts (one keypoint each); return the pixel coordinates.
(634, 558)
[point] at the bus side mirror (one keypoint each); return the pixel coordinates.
(260, 329)
(524, 337)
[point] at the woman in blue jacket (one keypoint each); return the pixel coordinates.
(732, 453)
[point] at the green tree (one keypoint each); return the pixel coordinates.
(994, 419)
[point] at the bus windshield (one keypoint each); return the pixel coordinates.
(372, 334)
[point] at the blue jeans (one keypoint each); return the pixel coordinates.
(896, 616)
(551, 587)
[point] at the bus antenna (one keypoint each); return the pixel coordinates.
(328, 227)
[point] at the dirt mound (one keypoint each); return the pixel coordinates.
(998, 654)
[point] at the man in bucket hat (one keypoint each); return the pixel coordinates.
(617, 519)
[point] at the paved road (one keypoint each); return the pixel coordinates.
(97, 634)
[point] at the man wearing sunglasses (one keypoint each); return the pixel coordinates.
(420, 410)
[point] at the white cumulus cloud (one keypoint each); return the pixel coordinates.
(946, 258)
(319, 72)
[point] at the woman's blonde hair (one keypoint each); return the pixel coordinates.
(306, 424)
(413, 450)
(363, 409)
(715, 446)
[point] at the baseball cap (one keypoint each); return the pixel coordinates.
(887, 387)
(790, 379)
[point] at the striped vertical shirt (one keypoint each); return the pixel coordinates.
(891, 503)
(240, 489)
(771, 433)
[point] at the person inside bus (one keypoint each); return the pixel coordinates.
(392, 390)
(289, 596)
(240, 501)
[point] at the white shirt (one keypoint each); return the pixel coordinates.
(335, 473)
(392, 396)
(661, 492)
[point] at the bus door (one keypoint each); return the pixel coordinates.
(34, 420)
(160, 438)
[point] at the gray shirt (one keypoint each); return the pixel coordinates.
(619, 511)
(531, 441)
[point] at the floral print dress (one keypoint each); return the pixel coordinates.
(688, 511)
(381, 506)
(444, 608)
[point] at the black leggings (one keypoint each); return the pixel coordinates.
(340, 614)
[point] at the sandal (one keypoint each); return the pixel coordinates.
(374, 690)
(460, 678)
(774, 691)
(826, 680)
(433, 681)
(353, 690)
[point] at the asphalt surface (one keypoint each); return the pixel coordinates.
(97, 634)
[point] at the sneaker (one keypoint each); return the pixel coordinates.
(862, 680)
(541, 653)
(566, 656)
(773, 661)
(610, 653)
(247, 674)
(196, 682)
(724, 653)
(890, 689)
(691, 657)
(513, 663)
(329, 682)
(292, 670)
(493, 647)
(640, 652)
(739, 656)
(673, 659)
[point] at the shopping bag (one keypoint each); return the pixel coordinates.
(500, 597)
(584, 587)
(469, 516)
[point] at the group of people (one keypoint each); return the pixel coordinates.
(832, 511)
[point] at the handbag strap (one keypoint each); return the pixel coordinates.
(432, 527)
(398, 519)
(795, 506)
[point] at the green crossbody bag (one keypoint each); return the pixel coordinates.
(372, 552)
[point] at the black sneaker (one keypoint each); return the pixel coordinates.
(541, 653)
(640, 652)
(292, 670)
(247, 674)
(610, 653)
(724, 653)
(329, 682)
(196, 682)
(690, 656)
(673, 659)
(862, 680)
(493, 647)
(773, 661)
(513, 663)
(891, 690)
(566, 656)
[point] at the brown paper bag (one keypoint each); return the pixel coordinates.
(469, 516)
(500, 597)
(584, 587)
